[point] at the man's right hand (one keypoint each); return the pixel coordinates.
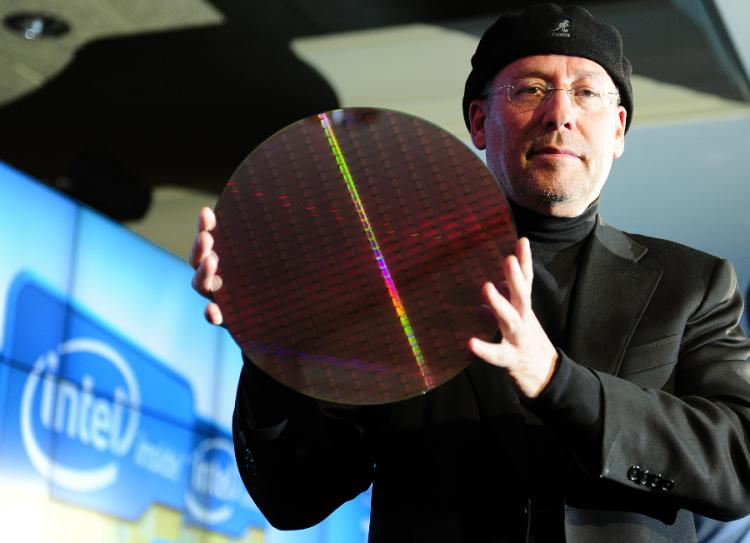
(205, 262)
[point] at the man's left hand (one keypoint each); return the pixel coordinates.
(525, 350)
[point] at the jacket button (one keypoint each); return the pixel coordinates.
(644, 478)
(634, 473)
(655, 481)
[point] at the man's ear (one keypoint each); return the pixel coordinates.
(477, 117)
(622, 117)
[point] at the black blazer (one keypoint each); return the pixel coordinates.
(656, 323)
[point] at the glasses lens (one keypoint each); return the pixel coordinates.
(527, 96)
(589, 99)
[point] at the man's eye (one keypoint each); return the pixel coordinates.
(586, 92)
(525, 91)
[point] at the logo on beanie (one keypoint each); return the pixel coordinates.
(562, 30)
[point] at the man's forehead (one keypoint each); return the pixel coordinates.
(551, 66)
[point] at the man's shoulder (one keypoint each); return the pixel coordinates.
(656, 247)
(670, 247)
(673, 259)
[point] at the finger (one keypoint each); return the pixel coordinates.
(206, 219)
(523, 251)
(205, 280)
(202, 246)
(210, 265)
(520, 290)
(213, 314)
(506, 315)
(494, 353)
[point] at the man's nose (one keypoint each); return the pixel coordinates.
(559, 111)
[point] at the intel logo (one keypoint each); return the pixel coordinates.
(88, 433)
(214, 482)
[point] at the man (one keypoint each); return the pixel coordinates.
(618, 398)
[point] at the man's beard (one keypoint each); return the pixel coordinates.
(535, 189)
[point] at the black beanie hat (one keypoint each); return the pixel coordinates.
(549, 29)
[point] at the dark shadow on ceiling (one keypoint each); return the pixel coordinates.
(180, 107)
(185, 107)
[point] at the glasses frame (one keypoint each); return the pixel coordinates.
(548, 95)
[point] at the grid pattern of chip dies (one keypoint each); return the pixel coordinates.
(353, 246)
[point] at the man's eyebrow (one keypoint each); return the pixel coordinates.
(590, 73)
(546, 75)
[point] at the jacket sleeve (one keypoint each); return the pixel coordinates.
(687, 443)
(299, 458)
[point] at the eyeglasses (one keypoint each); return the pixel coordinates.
(528, 96)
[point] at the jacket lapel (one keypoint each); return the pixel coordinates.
(611, 294)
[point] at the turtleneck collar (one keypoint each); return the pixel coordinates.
(554, 231)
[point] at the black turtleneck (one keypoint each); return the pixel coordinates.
(556, 244)
(556, 247)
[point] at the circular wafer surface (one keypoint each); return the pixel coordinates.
(353, 246)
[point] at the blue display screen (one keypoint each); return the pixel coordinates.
(116, 395)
